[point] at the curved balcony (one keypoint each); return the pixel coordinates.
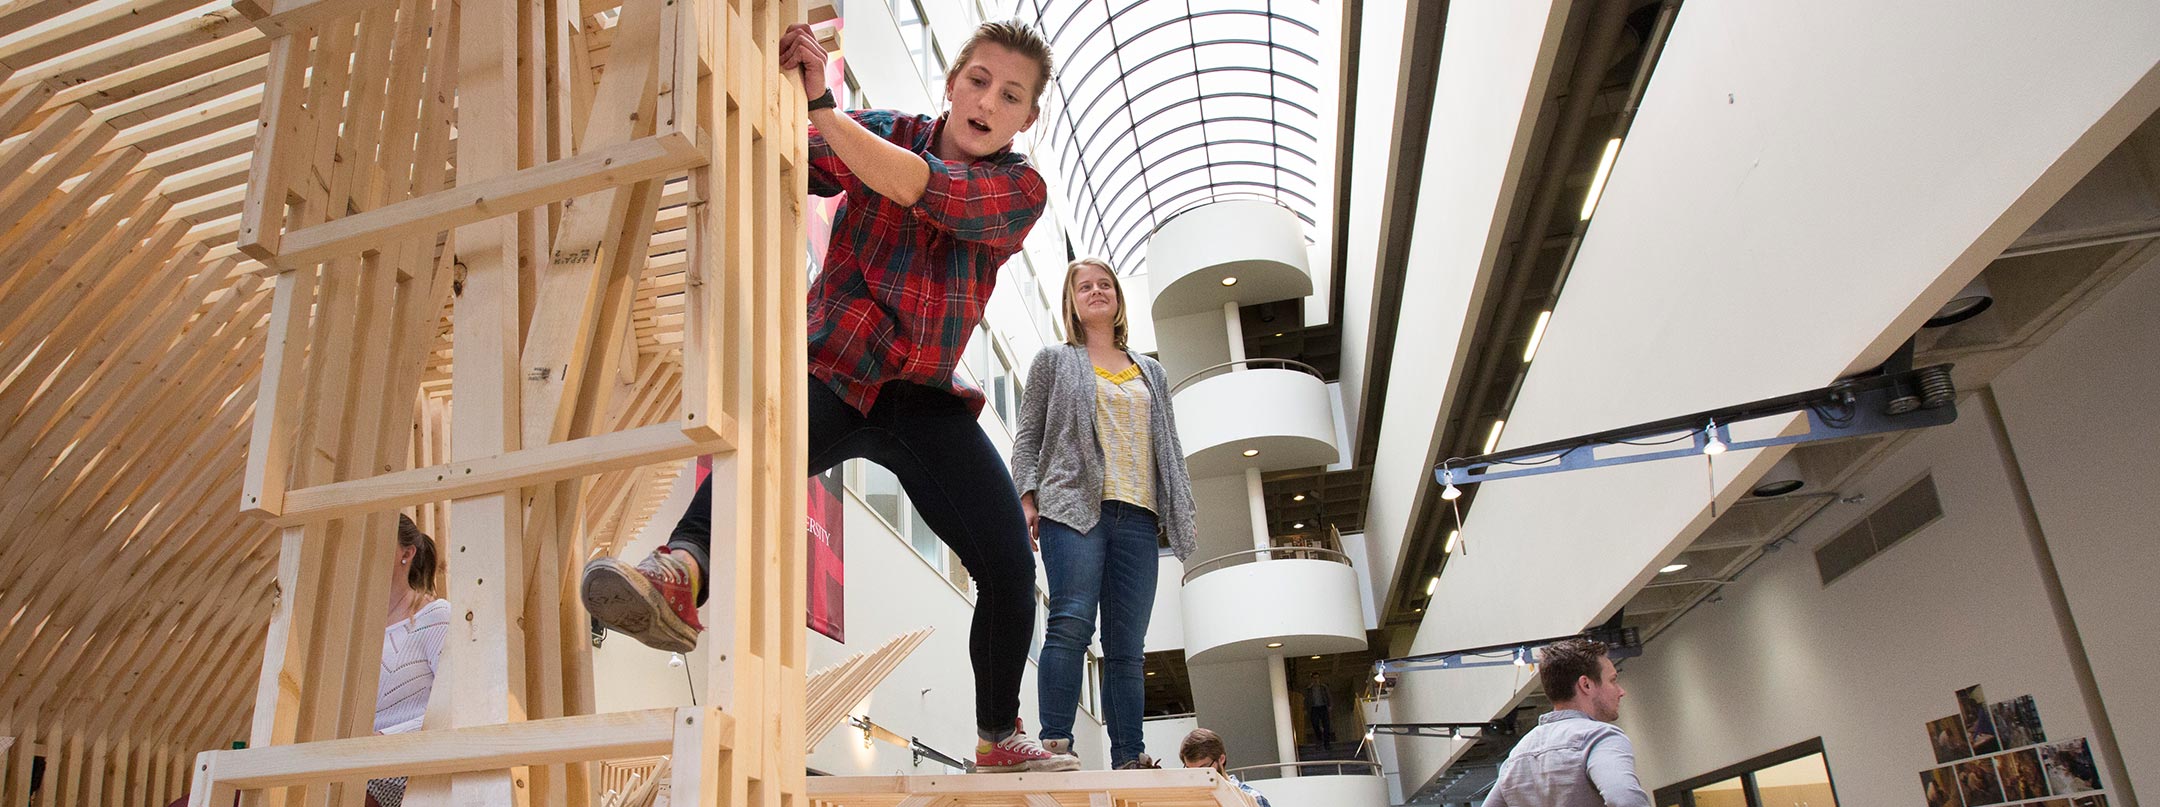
(1224, 432)
(1271, 602)
(1243, 251)
(1350, 782)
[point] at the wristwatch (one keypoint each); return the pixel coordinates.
(824, 101)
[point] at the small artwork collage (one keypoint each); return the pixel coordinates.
(1997, 753)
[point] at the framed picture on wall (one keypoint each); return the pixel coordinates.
(1977, 783)
(2070, 767)
(2019, 772)
(1947, 736)
(1979, 724)
(2017, 722)
(1940, 786)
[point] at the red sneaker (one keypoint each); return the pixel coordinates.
(1020, 753)
(654, 602)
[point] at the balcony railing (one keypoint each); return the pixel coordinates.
(1257, 555)
(1218, 369)
(1326, 767)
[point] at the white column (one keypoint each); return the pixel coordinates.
(1236, 329)
(1256, 506)
(1285, 733)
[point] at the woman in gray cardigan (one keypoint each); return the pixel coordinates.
(1101, 477)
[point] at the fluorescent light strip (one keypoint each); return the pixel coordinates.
(1537, 334)
(1597, 182)
(1492, 441)
(1430, 585)
(1449, 549)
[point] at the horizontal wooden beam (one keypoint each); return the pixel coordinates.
(287, 17)
(1133, 785)
(480, 748)
(469, 203)
(585, 456)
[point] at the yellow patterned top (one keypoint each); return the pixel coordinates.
(1121, 429)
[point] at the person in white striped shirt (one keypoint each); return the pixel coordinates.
(413, 631)
(414, 625)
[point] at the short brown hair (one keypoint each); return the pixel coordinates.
(1562, 664)
(1015, 36)
(1075, 334)
(1200, 744)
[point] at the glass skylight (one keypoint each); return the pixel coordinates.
(1159, 106)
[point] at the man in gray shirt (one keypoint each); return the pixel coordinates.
(1575, 757)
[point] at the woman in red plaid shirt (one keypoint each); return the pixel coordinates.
(932, 207)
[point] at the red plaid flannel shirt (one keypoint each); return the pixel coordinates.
(903, 288)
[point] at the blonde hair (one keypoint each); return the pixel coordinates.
(1012, 35)
(1075, 333)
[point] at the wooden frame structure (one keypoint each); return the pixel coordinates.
(312, 256)
(132, 594)
(541, 239)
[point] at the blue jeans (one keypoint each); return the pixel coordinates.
(1111, 567)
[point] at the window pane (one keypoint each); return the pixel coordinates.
(882, 491)
(921, 536)
(1802, 781)
(1727, 793)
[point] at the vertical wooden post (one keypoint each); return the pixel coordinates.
(486, 529)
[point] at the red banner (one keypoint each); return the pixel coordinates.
(828, 559)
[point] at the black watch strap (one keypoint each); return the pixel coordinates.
(823, 102)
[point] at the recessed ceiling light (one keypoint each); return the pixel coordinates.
(1252, 452)
(1316, 658)
(1272, 645)
(1968, 303)
(1537, 334)
(1151, 673)
(1229, 281)
(1672, 567)
(1278, 334)
(1597, 181)
(1778, 487)
(1298, 526)
(1432, 584)
(1298, 498)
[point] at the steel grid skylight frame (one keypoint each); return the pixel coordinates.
(1160, 106)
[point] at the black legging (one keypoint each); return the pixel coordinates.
(929, 439)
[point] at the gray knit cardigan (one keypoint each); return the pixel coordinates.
(1056, 456)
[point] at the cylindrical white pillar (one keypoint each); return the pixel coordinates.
(1285, 733)
(1236, 329)
(1256, 506)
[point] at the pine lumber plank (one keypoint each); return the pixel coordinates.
(473, 477)
(467, 749)
(476, 201)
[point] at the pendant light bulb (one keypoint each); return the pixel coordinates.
(1711, 444)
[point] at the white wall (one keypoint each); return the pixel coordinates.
(1496, 60)
(1865, 662)
(1783, 659)
(2079, 411)
(1166, 620)
(1764, 230)
(1380, 39)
